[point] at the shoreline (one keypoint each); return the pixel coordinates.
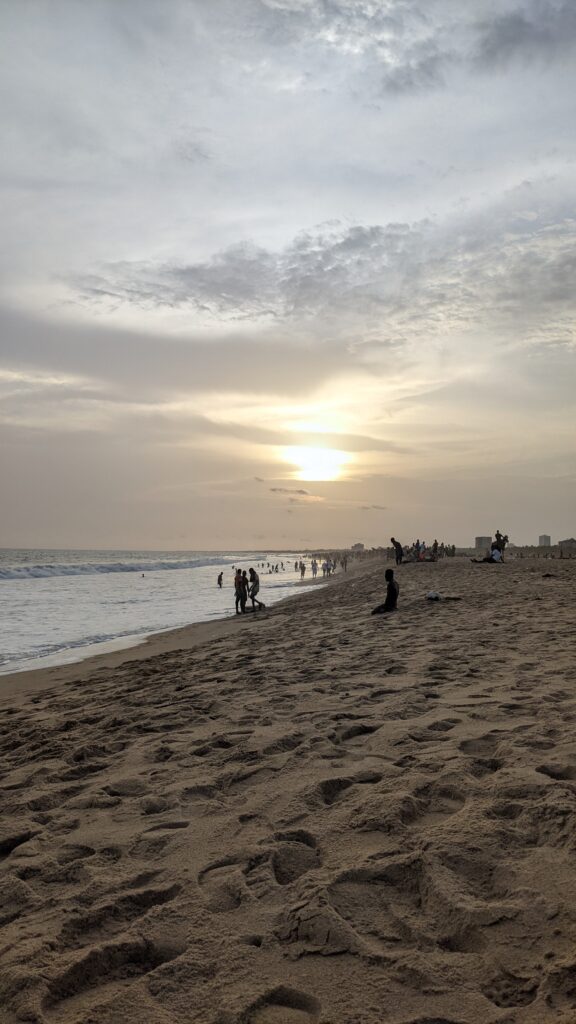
(182, 638)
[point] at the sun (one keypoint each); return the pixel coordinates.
(316, 463)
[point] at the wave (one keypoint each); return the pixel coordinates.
(27, 572)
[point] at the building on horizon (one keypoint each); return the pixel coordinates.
(482, 543)
(357, 547)
(567, 547)
(544, 540)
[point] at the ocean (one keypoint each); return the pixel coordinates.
(58, 607)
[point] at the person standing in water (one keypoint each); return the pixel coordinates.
(239, 592)
(220, 578)
(254, 588)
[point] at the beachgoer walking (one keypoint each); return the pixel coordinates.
(254, 587)
(220, 578)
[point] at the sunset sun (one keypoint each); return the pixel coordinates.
(316, 463)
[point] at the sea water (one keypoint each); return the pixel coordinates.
(61, 606)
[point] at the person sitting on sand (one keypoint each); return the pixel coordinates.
(392, 591)
(254, 588)
(495, 557)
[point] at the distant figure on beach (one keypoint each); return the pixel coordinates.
(302, 570)
(495, 557)
(435, 549)
(240, 592)
(220, 578)
(392, 591)
(398, 550)
(254, 588)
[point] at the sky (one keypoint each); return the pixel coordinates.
(286, 273)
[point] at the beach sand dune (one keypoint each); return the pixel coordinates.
(311, 816)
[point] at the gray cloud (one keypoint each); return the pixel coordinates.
(534, 31)
(289, 490)
(387, 284)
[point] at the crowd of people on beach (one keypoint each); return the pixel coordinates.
(420, 551)
(247, 584)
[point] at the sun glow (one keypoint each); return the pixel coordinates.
(316, 463)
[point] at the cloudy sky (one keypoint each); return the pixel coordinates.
(287, 272)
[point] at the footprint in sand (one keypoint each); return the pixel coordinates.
(508, 991)
(230, 881)
(350, 732)
(482, 746)
(329, 791)
(482, 767)
(558, 772)
(11, 840)
(114, 916)
(126, 787)
(116, 961)
(282, 1006)
(381, 904)
(440, 800)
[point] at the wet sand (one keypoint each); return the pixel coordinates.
(309, 815)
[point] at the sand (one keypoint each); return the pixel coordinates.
(312, 816)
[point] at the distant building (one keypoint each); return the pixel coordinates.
(482, 543)
(544, 540)
(567, 547)
(358, 547)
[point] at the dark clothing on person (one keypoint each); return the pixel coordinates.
(240, 592)
(391, 601)
(398, 551)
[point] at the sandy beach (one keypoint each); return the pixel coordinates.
(308, 816)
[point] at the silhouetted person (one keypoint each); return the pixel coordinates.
(220, 578)
(398, 550)
(240, 591)
(254, 588)
(392, 591)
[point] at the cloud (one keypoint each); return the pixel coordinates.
(387, 285)
(297, 495)
(534, 31)
(290, 490)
